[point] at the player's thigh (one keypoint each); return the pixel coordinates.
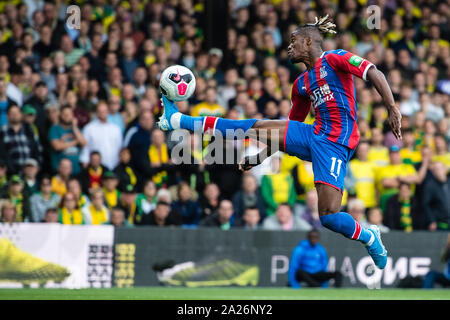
(329, 166)
(297, 139)
(329, 199)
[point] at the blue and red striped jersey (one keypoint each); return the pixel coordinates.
(329, 87)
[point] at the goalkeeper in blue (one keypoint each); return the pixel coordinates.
(327, 84)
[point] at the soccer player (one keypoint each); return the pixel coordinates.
(329, 143)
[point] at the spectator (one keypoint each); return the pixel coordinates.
(227, 91)
(95, 61)
(38, 100)
(277, 188)
(162, 216)
(310, 214)
(69, 211)
(13, 91)
(124, 171)
(59, 181)
(159, 163)
(66, 140)
(102, 136)
(375, 216)
(139, 81)
(84, 107)
(96, 212)
(8, 212)
(442, 154)
(210, 200)
(110, 191)
(3, 177)
(303, 177)
(30, 172)
(71, 54)
(442, 278)
(128, 63)
(18, 142)
(43, 200)
(128, 203)
(251, 219)
(309, 263)
(74, 186)
(401, 211)
(5, 102)
(209, 107)
(428, 134)
(194, 170)
(390, 176)
(186, 205)
(114, 115)
(221, 218)
(408, 152)
(29, 118)
(378, 153)
(46, 74)
(436, 198)
(215, 60)
(145, 201)
(248, 196)
(91, 176)
(137, 140)
(363, 172)
(117, 218)
(114, 84)
(356, 209)
(284, 219)
(51, 216)
(16, 196)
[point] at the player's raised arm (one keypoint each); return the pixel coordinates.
(378, 79)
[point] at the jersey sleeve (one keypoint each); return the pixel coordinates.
(345, 61)
(300, 103)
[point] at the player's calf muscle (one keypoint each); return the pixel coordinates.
(328, 208)
(269, 129)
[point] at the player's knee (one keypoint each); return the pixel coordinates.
(259, 124)
(328, 208)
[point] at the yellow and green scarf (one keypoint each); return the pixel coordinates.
(74, 217)
(98, 216)
(162, 156)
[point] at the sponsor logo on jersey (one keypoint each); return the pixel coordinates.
(321, 94)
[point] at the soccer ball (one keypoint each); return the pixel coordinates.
(177, 83)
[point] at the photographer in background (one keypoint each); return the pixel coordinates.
(309, 263)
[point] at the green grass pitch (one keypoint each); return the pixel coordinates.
(164, 293)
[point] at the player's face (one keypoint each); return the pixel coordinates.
(297, 49)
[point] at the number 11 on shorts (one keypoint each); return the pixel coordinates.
(333, 166)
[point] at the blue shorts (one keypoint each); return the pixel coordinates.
(329, 159)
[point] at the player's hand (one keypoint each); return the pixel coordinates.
(395, 121)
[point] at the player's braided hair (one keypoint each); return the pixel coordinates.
(324, 24)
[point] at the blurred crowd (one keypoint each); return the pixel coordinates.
(78, 109)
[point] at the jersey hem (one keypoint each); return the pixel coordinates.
(329, 184)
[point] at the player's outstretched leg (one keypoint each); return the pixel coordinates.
(172, 119)
(343, 223)
(263, 130)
